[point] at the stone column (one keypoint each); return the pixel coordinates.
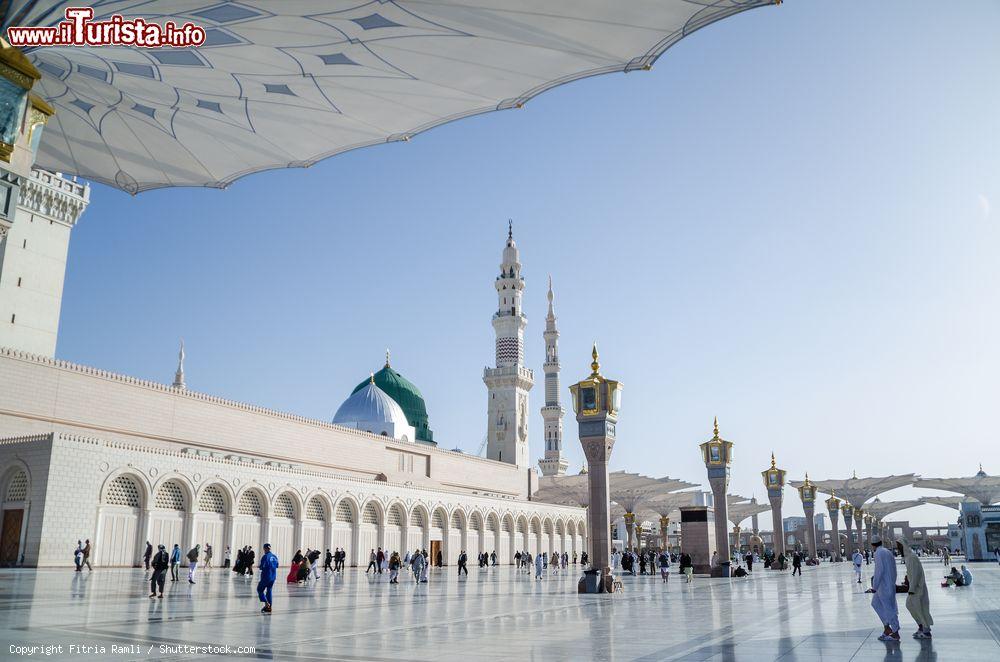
(810, 511)
(664, 525)
(596, 401)
(736, 537)
(629, 531)
(859, 517)
(833, 509)
(868, 529)
(848, 518)
(774, 482)
(717, 455)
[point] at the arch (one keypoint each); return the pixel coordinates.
(346, 515)
(212, 503)
(395, 528)
(370, 529)
(438, 538)
(534, 545)
(208, 495)
(458, 538)
(286, 512)
(418, 529)
(162, 488)
(15, 498)
(123, 496)
(171, 505)
(251, 507)
(315, 522)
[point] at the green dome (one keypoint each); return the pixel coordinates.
(407, 396)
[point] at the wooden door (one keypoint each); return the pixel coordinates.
(10, 536)
(435, 548)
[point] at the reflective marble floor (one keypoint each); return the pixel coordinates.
(492, 615)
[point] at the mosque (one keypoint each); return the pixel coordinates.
(90, 454)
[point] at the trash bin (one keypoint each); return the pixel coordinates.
(592, 581)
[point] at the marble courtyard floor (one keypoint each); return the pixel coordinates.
(494, 615)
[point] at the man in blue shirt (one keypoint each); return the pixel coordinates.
(268, 573)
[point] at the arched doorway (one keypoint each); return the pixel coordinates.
(522, 544)
(282, 526)
(416, 533)
(475, 537)
(574, 548)
(14, 522)
(314, 525)
(395, 527)
(210, 521)
(344, 525)
(492, 538)
(118, 522)
(171, 503)
(369, 536)
(506, 542)
(248, 521)
(439, 524)
(456, 537)
(535, 539)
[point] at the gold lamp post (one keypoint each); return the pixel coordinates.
(833, 508)
(807, 492)
(847, 510)
(774, 481)
(717, 453)
(596, 401)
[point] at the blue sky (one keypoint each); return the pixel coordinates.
(791, 222)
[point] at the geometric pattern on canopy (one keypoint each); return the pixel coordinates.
(739, 512)
(628, 491)
(287, 83)
(882, 509)
(856, 491)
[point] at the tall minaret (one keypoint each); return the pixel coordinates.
(508, 384)
(553, 464)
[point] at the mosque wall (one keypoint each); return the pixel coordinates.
(119, 493)
(44, 395)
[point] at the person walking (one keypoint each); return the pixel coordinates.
(147, 555)
(394, 565)
(193, 555)
(208, 556)
(380, 558)
(664, 561)
(326, 561)
(417, 565)
(160, 563)
(857, 559)
(372, 563)
(463, 559)
(78, 556)
(749, 560)
(175, 559)
(539, 563)
(268, 574)
(314, 563)
(917, 599)
(87, 549)
(797, 563)
(884, 598)
(227, 558)
(687, 567)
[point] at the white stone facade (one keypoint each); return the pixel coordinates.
(120, 460)
(33, 254)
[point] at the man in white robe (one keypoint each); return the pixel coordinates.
(884, 598)
(858, 560)
(917, 600)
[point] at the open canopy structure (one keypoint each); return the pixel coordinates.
(982, 487)
(946, 501)
(856, 491)
(882, 509)
(629, 491)
(286, 84)
(739, 512)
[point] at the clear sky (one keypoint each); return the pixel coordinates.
(791, 222)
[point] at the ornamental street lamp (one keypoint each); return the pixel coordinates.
(717, 454)
(664, 524)
(848, 512)
(807, 492)
(774, 481)
(596, 401)
(833, 508)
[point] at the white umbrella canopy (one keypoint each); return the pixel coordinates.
(286, 83)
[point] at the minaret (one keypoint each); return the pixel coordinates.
(509, 382)
(179, 375)
(553, 464)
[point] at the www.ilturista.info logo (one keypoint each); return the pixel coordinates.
(79, 29)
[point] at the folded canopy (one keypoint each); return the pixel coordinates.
(286, 83)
